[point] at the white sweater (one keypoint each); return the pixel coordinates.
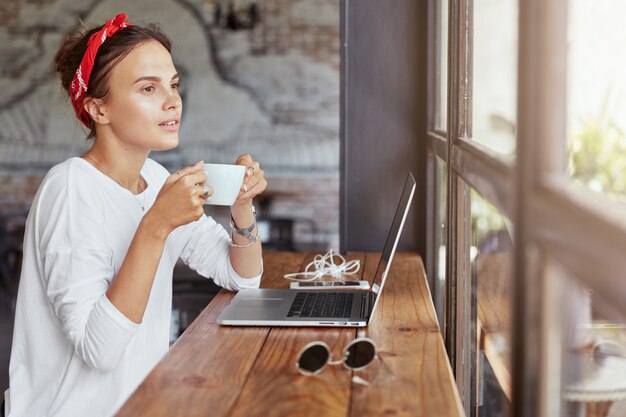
(74, 354)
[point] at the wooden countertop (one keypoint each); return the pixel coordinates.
(213, 370)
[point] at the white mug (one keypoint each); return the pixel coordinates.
(226, 181)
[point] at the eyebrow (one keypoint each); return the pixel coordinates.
(153, 78)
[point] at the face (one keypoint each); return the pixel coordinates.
(143, 108)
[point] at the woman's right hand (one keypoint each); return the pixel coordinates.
(181, 199)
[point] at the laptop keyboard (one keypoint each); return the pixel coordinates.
(321, 304)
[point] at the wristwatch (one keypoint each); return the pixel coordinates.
(247, 232)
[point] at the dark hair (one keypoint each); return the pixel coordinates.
(112, 51)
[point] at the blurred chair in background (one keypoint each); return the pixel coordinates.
(191, 294)
(12, 225)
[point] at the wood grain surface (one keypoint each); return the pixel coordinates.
(250, 371)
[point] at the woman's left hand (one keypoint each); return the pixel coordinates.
(254, 182)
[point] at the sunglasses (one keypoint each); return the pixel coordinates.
(604, 349)
(357, 354)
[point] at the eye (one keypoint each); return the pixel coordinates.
(175, 86)
(148, 89)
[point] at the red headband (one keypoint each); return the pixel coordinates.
(80, 82)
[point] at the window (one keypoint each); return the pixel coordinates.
(441, 65)
(494, 74)
(491, 260)
(592, 355)
(533, 157)
(596, 87)
(441, 237)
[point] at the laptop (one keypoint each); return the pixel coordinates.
(344, 308)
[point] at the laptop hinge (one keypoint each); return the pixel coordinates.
(366, 305)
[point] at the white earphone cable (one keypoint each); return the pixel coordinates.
(323, 265)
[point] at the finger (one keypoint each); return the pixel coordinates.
(203, 191)
(250, 182)
(253, 192)
(188, 170)
(257, 189)
(254, 169)
(244, 158)
(195, 177)
(182, 172)
(205, 194)
(172, 178)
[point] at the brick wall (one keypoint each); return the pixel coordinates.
(9, 10)
(308, 199)
(299, 134)
(309, 27)
(17, 191)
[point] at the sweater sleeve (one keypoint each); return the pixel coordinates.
(77, 280)
(77, 270)
(206, 249)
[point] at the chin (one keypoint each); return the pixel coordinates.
(166, 145)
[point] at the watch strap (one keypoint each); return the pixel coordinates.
(247, 232)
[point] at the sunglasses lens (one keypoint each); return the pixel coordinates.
(313, 358)
(605, 349)
(360, 354)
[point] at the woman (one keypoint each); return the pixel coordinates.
(105, 230)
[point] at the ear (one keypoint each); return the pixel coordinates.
(96, 109)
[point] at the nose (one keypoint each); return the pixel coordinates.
(172, 101)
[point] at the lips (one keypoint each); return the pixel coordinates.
(170, 124)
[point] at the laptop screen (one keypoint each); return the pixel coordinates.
(393, 237)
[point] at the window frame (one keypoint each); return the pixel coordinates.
(550, 215)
